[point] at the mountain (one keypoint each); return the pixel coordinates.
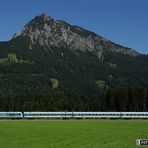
(47, 32)
(54, 59)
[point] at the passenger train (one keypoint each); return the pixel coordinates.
(73, 115)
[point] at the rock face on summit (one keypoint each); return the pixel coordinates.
(49, 32)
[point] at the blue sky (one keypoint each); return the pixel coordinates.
(122, 21)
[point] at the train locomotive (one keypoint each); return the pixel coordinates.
(73, 115)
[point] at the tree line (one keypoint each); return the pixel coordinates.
(111, 99)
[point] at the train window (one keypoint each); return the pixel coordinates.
(27, 114)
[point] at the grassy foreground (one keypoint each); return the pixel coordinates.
(72, 133)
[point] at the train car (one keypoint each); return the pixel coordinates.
(134, 115)
(94, 115)
(11, 115)
(37, 115)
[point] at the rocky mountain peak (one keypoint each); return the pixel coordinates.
(43, 19)
(48, 32)
(45, 16)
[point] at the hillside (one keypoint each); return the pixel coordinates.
(56, 62)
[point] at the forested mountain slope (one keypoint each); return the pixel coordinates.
(52, 65)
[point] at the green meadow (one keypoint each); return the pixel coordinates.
(72, 133)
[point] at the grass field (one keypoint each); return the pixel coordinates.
(72, 133)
